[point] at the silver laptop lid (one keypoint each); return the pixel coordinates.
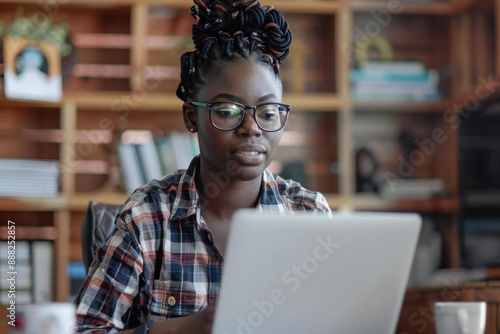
(310, 273)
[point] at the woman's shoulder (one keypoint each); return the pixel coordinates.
(299, 198)
(164, 196)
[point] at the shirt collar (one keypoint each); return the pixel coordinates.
(186, 201)
(269, 199)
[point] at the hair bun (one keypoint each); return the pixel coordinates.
(278, 36)
(240, 25)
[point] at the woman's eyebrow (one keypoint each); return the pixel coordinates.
(267, 97)
(226, 96)
(235, 98)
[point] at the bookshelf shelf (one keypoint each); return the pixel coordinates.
(23, 104)
(434, 205)
(33, 204)
(315, 102)
(434, 8)
(81, 201)
(148, 101)
(403, 106)
(373, 202)
(311, 7)
(162, 102)
(31, 233)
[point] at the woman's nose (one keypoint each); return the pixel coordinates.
(249, 126)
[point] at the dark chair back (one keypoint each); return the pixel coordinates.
(98, 224)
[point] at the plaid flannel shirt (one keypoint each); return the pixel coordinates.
(161, 259)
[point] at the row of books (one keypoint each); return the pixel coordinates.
(30, 278)
(29, 178)
(144, 157)
(394, 80)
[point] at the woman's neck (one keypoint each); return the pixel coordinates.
(222, 199)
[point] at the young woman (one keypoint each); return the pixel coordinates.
(160, 271)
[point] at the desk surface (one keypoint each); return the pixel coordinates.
(417, 311)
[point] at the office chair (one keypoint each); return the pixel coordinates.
(98, 224)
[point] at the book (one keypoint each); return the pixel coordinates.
(415, 96)
(400, 67)
(22, 267)
(358, 75)
(42, 253)
(32, 271)
(31, 165)
(143, 157)
(182, 149)
(394, 80)
(148, 157)
(141, 163)
(167, 157)
(131, 170)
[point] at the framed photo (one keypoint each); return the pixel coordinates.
(32, 70)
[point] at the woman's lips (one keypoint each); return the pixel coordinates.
(249, 154)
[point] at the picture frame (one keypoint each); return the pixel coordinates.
(32, 70)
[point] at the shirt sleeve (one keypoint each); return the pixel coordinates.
(104, 302)
(322, 204)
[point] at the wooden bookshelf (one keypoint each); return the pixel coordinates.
(432, 8)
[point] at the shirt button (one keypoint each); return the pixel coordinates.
(171, 301)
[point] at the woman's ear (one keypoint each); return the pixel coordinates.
(189, 116)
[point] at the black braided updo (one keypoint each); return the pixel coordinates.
(228, 31)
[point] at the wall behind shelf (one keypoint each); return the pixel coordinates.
(309, 145)
(16, 140)
(408, 145)
(104, 128)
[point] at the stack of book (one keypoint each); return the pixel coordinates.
(27, 265)
(144, 158)
(29, 178)
(394, 80)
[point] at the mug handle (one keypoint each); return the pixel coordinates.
(463, 321)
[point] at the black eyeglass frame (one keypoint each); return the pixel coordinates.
(209, 105)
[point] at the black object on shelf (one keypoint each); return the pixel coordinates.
(479, 183)
(366, 171)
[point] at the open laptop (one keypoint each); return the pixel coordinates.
(309, 273)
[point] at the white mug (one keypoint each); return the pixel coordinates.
(460, 317)
(47, 318)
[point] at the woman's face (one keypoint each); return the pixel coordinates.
(243, 153)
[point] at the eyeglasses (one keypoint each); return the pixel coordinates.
(228, 116)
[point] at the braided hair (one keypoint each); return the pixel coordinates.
(229, 31)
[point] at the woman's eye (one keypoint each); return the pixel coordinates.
(268, 112)
(227, 111)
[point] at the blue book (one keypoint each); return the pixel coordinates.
(396, 66)
(358, 75)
